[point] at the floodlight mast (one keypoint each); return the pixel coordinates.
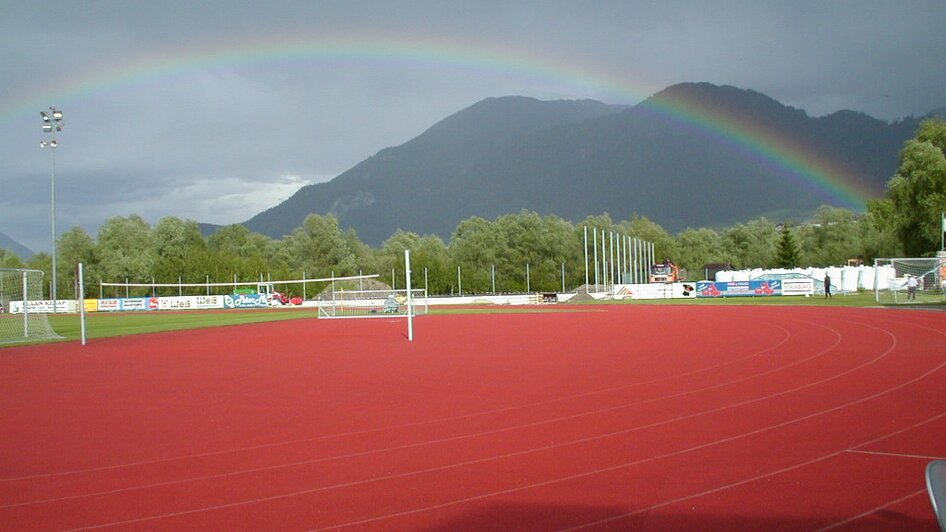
(52, 122)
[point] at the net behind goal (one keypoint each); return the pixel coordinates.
(910, 280)
(22, 307)
(374, 303)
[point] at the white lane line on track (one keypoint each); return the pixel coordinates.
(553, 446)
(423, 443)
(862, 515)
(897, 455)
(398, 427)
(773, 473)
(668, 455)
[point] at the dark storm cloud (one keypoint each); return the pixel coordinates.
(219, 142)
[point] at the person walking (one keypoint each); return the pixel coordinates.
(827, 285)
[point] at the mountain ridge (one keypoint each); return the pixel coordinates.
(581, 157)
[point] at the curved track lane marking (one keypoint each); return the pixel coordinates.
(559, 445)
(439, 440)
(766, 475)
(402, 426)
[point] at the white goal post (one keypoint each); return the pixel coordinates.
(910, 280)
(386, 303)
(262, 286)
(390, 303)
(23, 310)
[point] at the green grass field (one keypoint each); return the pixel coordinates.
(105, 325)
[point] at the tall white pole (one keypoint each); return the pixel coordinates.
(81, 306)
(52, 123)
(595, 242)
(652, 257)
(528, 287)
(611, 245)
(563, 277)
(586, 258)
(604, 260)
(410, 301)
(459, 282)
(53, 197)
(26, 308)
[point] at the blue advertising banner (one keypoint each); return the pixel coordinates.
(738, 288)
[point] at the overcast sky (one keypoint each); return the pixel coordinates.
(216, 110)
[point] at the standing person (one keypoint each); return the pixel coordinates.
(942, 275)
(827, 285)
(911, 287)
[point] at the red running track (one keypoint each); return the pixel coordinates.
(611, 417)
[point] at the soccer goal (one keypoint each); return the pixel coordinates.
(22, 307)
(910, 280)
(390, 303)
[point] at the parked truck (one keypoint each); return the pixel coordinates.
(666, 272)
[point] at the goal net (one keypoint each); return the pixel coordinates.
(910, 280)
(374, 303)
(22, 307)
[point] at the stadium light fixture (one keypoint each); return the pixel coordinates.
(52, 120)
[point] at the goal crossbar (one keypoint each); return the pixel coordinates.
(240, 283)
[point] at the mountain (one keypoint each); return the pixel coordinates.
(20, 250)
(674, 158)
(420, 185)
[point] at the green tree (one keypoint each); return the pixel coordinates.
(76, 246)
(477, 246)
(125, 251)
(878, 231)
(9, 259)
(320, 247)
(180, 253)
(698, 247)
(832, 239)
(537, 247)
(235, 251)
(665, 246)
(752, 244)
(787, 253)
(918, 190)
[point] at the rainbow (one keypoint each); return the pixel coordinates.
(550, 76)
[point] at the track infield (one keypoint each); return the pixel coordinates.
(608, 417)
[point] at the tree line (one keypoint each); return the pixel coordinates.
(127, 248)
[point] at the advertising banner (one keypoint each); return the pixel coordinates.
(798, 287)
(62, 306)
(738, 288)
(208, 302)
(245, 301)
(190, 302)
(109, 305)
(655, 291)
(135, 303)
